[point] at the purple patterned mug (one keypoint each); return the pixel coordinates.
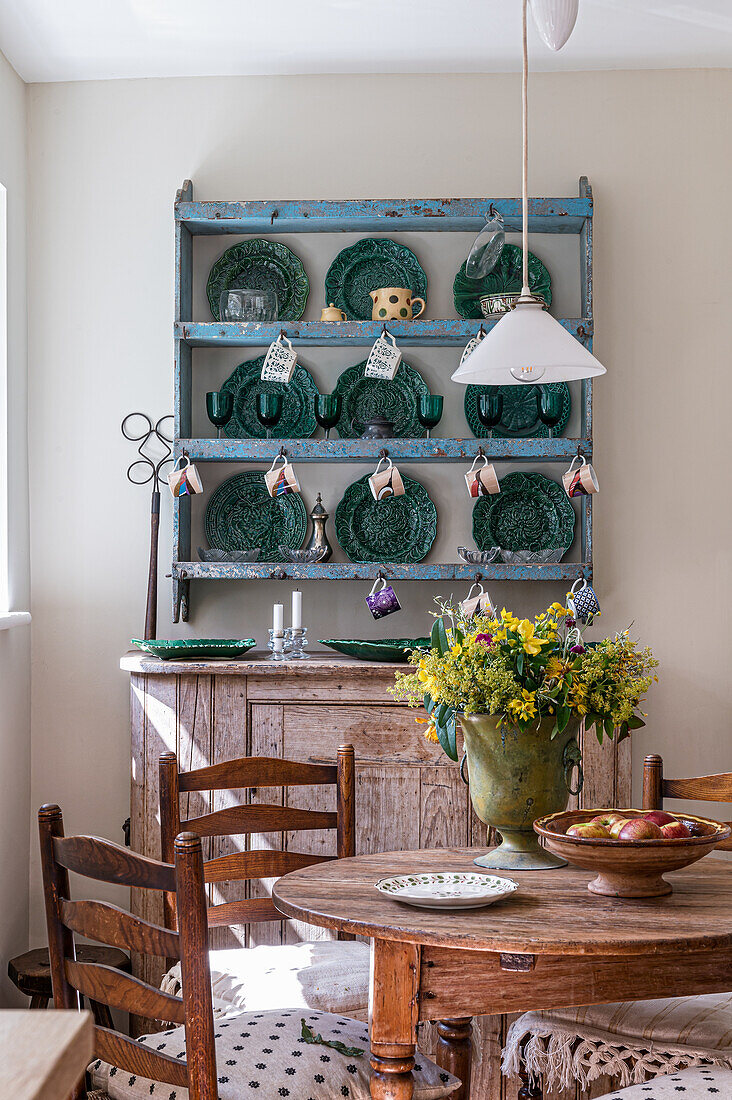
(384, 602)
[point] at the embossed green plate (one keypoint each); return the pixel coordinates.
(396, 529)
(261, 265)
(505, 278)
(520, 419)
(195, 649)
(298, 413)
(396, 650)
(396, 400)
(241, 515)
(368, 265)
(531, 512)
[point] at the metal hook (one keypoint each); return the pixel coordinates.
(580, 452)
(283, 334)
(383, 453)
(492, 211)
(275, 214)
(581, 331)
(481, 452)
(477, 578)
(481, 331)
(280, 454)
(381, 575)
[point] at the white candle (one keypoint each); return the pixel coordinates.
(297, 609)
(278, 621)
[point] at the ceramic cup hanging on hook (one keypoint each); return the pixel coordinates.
(483, 481)
(382, 600)
(474, 603)
(384, 357)
(580, 480)
(280, 361)
(281, 479)
(386, 483)
(472, 344)
(583, 602)
(185, 479)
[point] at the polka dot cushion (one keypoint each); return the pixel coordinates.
(701, 1083)
(264, 1056)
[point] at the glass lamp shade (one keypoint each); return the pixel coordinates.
(555, 20)
(525, 346)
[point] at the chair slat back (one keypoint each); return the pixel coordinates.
(701, 788)
(245, 818)
(103, 861)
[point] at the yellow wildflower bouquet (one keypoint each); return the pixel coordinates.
(523, 671)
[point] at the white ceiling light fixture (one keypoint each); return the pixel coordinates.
(555, 20)
(527, 345)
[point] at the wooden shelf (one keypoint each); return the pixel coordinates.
(419, 571)
(367, 450)
(446, 332)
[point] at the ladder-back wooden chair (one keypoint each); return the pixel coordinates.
(320, 974)
(106, 862)
(628, 1040)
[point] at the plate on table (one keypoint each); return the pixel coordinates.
(261, 265)
(298, 410)
(396, 400)
(447, 889)
(195, 649)
(395, 529)
(531, 512)
(370, 264)
(241, 515)
(396, 650)
(520, 417)
(505, 278)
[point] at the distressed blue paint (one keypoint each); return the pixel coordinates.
(421, 571)
(434, 333)
(368, 450)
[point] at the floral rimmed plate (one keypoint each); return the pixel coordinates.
(395, 529)
(396, 400)
(531, 512)
(298, 417)
(367, 265)
(447, 889)
(261, 265)
(505, 278)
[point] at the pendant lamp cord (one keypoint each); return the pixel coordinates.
(525, 164)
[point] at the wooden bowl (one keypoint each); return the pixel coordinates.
(628, 868)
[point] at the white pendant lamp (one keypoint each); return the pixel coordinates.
(527, 345)
(555, 20)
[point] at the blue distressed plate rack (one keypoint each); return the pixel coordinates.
(562, 215)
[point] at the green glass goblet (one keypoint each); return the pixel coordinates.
(328, 410)
(429, 410)
(549, 407)
(269, 410)
(490, 410)
(219, 406)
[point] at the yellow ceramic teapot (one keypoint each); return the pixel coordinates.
(394, 303)
(332, 313)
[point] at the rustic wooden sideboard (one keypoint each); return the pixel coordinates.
(409, 795)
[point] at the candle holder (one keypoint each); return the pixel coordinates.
(278, 644)
(296, 641)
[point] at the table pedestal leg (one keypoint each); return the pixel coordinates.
(527, 1090)
(393, 1013)
(392, 1077)
(454, 1051)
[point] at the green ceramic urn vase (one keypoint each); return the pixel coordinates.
(516, 777)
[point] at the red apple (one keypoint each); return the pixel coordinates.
(675, 829)
(659, 817)
(617, 827)
(639, 828)
(607, 819)
(588, 829)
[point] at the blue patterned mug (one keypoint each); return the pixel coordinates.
(585, 603)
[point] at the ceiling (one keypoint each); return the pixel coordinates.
(48, 40)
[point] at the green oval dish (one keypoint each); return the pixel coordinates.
(367, 265)
(396, 529)
(520, 417)
(396, 650)
(195, 649)
(505, 278)
(531, 512)
(261, 265)
(298, 412)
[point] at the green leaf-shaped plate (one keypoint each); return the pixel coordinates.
(396, 400)
(195, 649)
(261, 265)
(367, 265)
(395, 529)
(531, 512)
(520, 418)
(505, 278)
(241, 515)
(396, 650)
(298, 411)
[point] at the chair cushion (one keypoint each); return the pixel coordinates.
(692, 1084)
(329, 975)
(265, 1056)
(631, 1040)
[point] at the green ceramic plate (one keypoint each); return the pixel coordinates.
(368, 265)
(520, 418)
(241, 515)
(505, 278)
(396, 529)
(261, 265)
(195, 649)
(531, 512)
(380, 649)
(396, 400)
(298, 413)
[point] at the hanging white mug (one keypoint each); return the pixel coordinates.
(581, 480)
(282, 480)
(280, 361)
(384, 358)
(472, 345)
(482, 482)
(482, 602)
(386, 483)
(185, 479)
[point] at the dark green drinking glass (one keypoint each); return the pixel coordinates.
(328, 410)
(429, 410)
(490, 410)
(219, 406)
(269, 410)
(549, 407)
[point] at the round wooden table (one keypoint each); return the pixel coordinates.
(549, 945)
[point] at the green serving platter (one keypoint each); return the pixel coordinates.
(520, 417)
(241, 515)
(195, 649)
(396, 650)
(298, 413)
(395, 529)
(505, 278)
(396, 400)
(261, 265)
(531, 512)
(367, 265)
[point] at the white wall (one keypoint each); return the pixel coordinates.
(15, 827)
(106, 159)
